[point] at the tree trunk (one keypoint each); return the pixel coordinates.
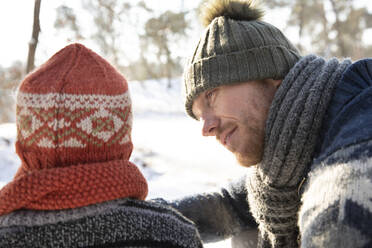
(340, 39)
(301, 25)
(324, 20)
(34, 39)
(168, 68)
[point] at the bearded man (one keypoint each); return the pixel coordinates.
(302, 123)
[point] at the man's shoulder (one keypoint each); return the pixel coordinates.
(356, 79)
(365, 62)
(360, 70)
(349, 114)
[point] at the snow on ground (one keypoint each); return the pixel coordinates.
(9, 162)
(168, 147)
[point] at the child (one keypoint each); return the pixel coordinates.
(76, 186)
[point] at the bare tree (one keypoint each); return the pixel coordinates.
(66, 18)
(35, 38)
(160, 33)
(340, 36)
(121, 22)
(9, 80)
(337, 26)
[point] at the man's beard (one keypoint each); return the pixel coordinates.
(252, 152)
(247, 161)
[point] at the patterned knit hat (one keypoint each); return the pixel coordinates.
(236, 47)
(74, 123)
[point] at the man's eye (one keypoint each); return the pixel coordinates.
(210, 94)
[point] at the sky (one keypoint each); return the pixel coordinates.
(16, 26)
(16, 18)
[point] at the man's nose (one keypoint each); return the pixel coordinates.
(210, 126)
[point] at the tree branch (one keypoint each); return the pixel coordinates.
(34, 39)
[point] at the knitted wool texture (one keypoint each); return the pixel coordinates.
(292, 130)
(236, 48)
(73, 136)
(120, 223)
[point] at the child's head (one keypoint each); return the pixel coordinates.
(74, 109)
(74, 125)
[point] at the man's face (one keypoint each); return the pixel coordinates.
(236, 115)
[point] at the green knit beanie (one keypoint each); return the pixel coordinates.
(236, 47)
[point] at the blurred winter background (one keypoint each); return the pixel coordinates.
(149, 42)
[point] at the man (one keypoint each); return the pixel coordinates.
(303, 125)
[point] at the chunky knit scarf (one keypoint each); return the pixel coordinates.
(73, 186)
(292, 130)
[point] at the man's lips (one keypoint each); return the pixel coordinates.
(226, 136)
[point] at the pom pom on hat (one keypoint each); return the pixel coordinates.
(246, 10)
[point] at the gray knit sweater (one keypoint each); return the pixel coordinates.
(119, 223)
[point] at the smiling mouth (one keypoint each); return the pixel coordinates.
(226, 140)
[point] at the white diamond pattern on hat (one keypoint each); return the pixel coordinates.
(102, 124)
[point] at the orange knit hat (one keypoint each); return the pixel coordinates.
(74, 123)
